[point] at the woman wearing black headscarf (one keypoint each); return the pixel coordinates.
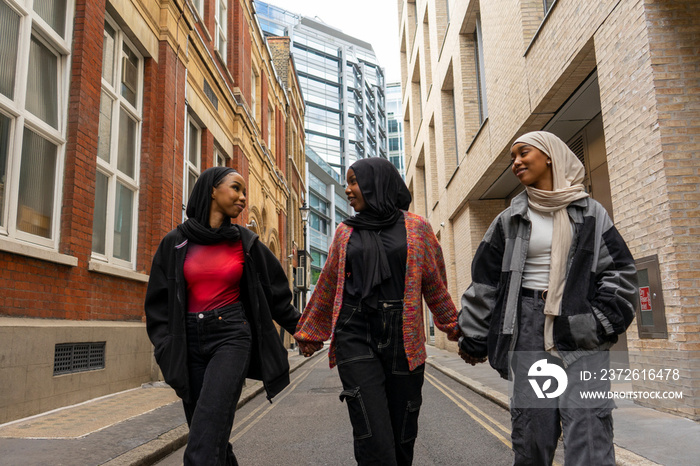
(213, 292)
(368, 300)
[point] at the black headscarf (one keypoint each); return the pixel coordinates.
(386, 195)
(196, 228)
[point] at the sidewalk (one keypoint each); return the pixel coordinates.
(140, 426)
(132, 428)
(643, 436)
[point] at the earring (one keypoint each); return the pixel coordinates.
(549, 162)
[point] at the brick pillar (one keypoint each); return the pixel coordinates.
(83, 128)
(165, 178)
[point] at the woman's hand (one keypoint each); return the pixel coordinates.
(308, 348)
(471, 359)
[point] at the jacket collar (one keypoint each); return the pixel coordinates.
(247, 237)
(518, 207)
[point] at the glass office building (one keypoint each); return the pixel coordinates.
(345, 95)
(394, 112)
(343, 86)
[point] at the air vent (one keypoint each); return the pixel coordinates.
(78, 357)
(209, 92)
(576, 146)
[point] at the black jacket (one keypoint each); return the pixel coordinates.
(265, 295)
(600, 294)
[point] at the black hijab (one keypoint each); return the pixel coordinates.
(196, 228)
(386, 195)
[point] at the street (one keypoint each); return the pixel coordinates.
(307, 425)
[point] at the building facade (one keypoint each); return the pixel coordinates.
(394, 119)
(345, 94)
(109, 111)
(297, 269)
(343, 85)
(619, 82)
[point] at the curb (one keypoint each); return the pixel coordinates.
(174, 439)
(623, 457)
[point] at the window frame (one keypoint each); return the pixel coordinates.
(188, 166)
(480, 72)
(198, 6)
(14, 108)
(110, 169)
(220, 159)
(221, 28)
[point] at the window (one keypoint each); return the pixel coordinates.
(318, 260)
(253, 93)
(199, 7)
(193, 159)
(34, 80)
(118, 150)
(480, 76)
(319, 204)
(394, 144)
(219, 158)
(547, 4)
(220, 26)
(270, 126)
(318, 222)
(339, 217)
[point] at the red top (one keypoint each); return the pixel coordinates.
(213, 275)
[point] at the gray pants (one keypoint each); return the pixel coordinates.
(537, 423)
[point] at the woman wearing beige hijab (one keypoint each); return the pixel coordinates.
(553, 285)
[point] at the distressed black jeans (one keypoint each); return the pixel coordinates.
(383, 397)
(218, 351)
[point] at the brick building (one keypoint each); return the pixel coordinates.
(620, 83)
(109, 111)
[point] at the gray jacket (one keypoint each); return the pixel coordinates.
(600, 293)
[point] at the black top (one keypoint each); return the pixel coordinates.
(393, 239)
(386, 196)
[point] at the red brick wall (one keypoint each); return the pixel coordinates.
(263, 104)
(83, 121)
(207, 149)
(240, 163)
(240, 47)
(37, 288)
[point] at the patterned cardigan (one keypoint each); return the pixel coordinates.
(425, 275)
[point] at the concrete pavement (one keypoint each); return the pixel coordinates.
(140, 426)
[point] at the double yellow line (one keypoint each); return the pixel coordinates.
(486, 421)
(303, 375)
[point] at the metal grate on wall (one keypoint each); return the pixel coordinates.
(78, 357)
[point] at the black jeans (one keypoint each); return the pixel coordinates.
(382, 395)
(218, 351)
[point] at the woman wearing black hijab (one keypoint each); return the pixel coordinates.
(368, 300)
(213, 292)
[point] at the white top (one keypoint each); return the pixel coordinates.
(536, 272)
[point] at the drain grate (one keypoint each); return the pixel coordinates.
(78, 357)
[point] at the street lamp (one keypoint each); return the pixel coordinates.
(304, 211)
(303, 262)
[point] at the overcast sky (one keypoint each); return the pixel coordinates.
(373, 21)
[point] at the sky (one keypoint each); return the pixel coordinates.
(373, 21)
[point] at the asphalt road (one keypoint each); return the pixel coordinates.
(308, 425)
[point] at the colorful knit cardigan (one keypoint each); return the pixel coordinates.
(425, 275)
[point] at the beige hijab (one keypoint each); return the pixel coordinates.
(568, 173)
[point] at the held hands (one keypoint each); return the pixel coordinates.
(471, 359)
(308, 348)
